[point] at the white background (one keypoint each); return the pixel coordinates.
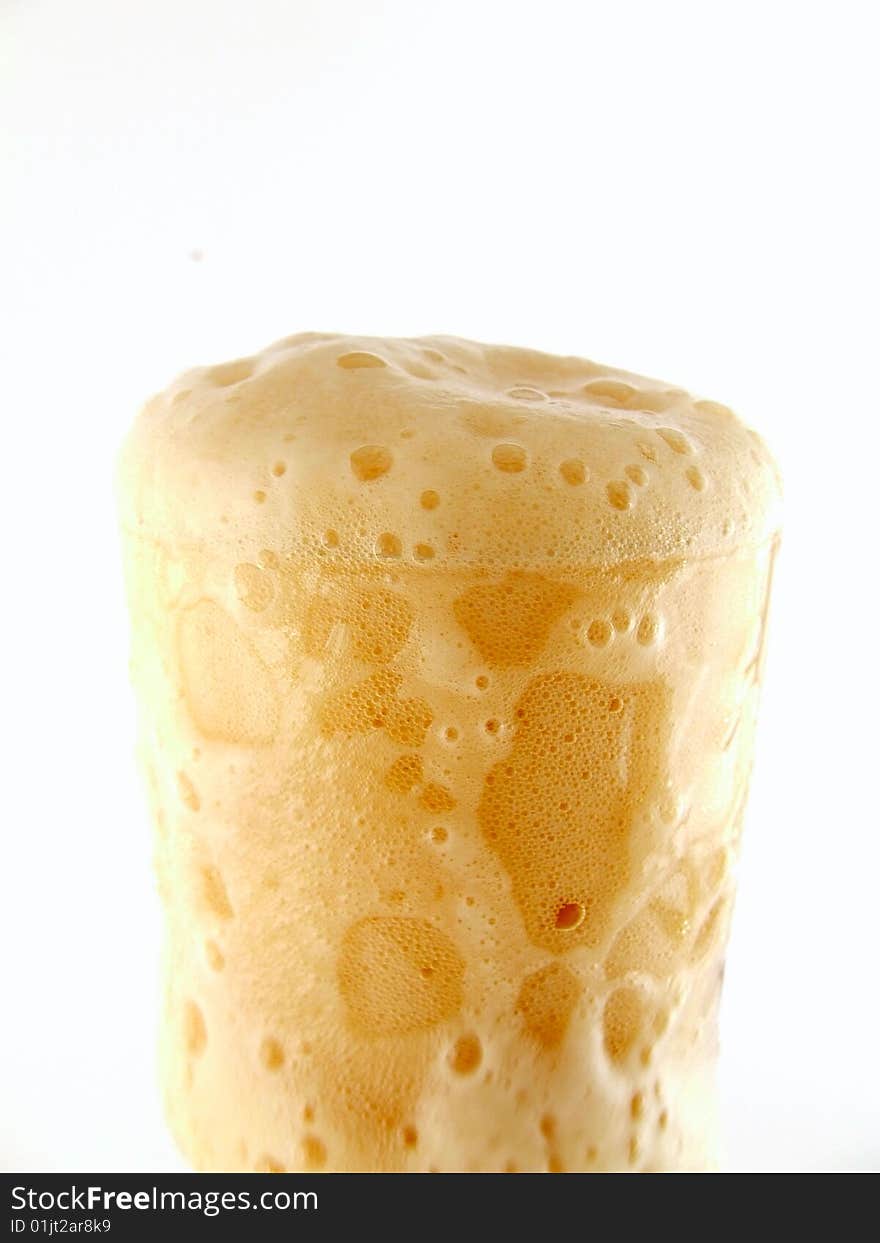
(683, 189)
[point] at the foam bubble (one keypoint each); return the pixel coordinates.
(509, 458)
(676, 441)
(314, 1152)
(357, 360)
(371, 462)
(214, 894)
(272, 1053)
(620, 495)
(195, 1033)
(466, 1054)
(388, 545)
(637, 474)
(573, 472)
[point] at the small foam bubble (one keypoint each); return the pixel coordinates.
(214, 894)
(187, 792)
(356, 360)
(573, 471)
(674, 438)
(271, 1053)
(637, 474)
(388, 545)
(466, 1054)
(524, 393)
(599, 633)
(570, 915)
(647, 629)
(610, 392)
(314, 1152)
(619, 494)
(509, 458)
(371, 462)
(195, 1033)
(652, 402)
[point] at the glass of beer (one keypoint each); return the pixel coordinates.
(447, 659)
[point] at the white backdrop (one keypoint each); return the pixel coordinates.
(683, 189)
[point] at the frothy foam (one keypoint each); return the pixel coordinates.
(484, 454)
(448, 659)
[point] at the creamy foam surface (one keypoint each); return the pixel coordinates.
(443, 451)
(448, 660)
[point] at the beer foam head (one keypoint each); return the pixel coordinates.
(448, 657)
(438, 451)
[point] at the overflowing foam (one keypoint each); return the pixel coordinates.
(448, 659)
(422, 446)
